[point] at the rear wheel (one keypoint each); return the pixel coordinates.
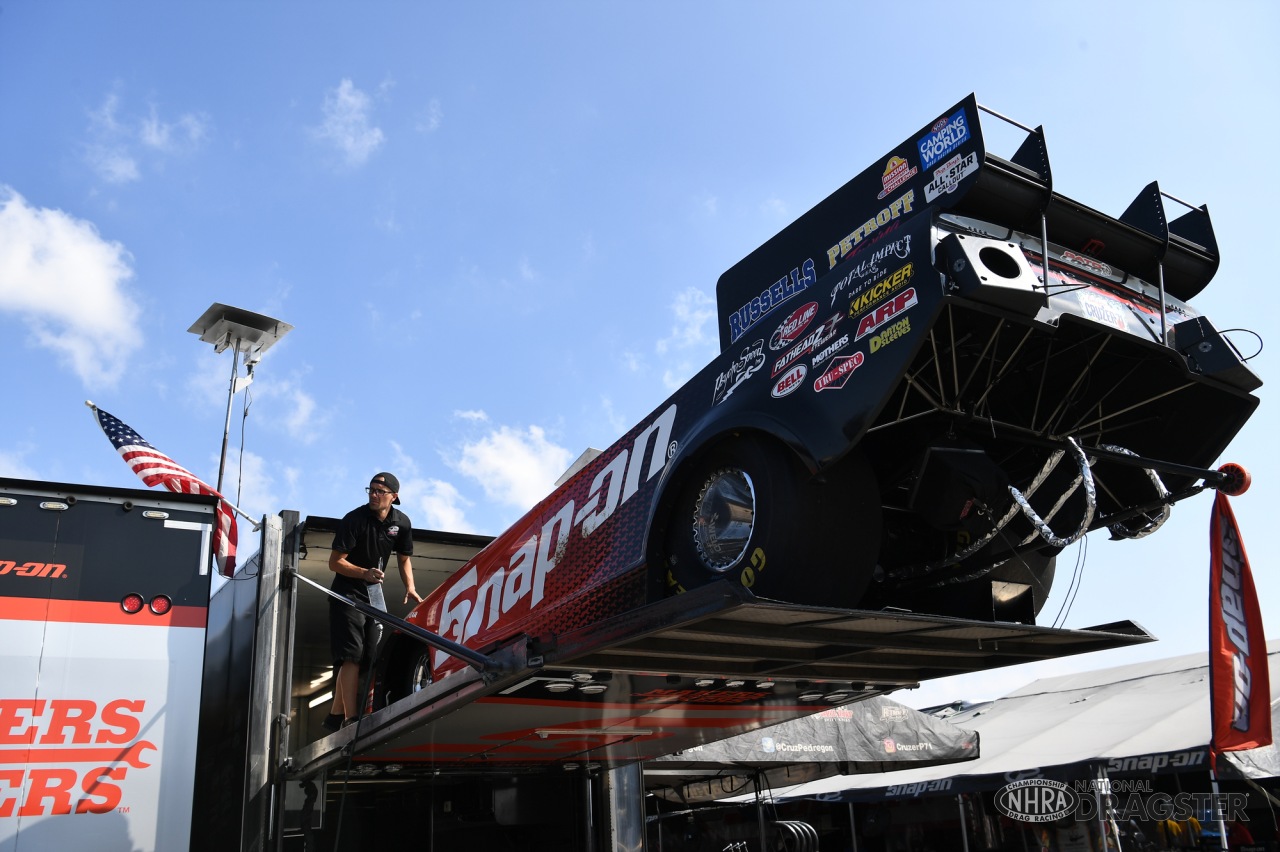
(747, 512)
(407, 670)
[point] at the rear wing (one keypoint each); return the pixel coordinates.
(945, 167)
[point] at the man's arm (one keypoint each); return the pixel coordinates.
(406, 574)
(338, 564)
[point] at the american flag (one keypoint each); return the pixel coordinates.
(155, 468)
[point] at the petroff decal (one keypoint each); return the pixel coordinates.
(793, 326)
(802, 277)
(1088, 264)
(828, 351)
(896, 172)
(892, 333)
(751, 359)
(812, 341)
(944, 137)
(1101, 309)
(790, 380)
(900, 207)
(474, 602)
(1036, 800)
(871, 267)
(32, 569)
(889, 284)
(881, 315)
(839, 372)
(48, 738)
(947, 178)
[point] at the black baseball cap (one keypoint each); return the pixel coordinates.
(389, 480)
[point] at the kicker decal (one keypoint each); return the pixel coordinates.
(876, 292)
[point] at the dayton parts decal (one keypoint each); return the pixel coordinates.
(751, 360)
(67, 756)
(839, 372)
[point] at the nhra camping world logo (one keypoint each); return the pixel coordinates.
(1042, 800)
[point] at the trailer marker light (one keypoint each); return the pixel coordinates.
(161, 604)
(54, 506)
(734, 684)
(8, 501)
(559, 686)
(809, 696)
(764, 684)
(593, 688)
(131, 603)
(155, 515)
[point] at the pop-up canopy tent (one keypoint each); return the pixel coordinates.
(1145, 718)
(872, 736)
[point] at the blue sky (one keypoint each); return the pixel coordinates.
(496, 227)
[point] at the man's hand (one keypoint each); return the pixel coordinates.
(373, 575)
(417, 598)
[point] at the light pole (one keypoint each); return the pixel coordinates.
(241, 331)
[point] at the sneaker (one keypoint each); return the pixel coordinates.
(332, 722)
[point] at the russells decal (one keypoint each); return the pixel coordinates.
(901, 206)
(839, 372)
(896, 172)
(890, 309)
(793, 326)
(801, 278)
(743, 368)
(948, 177)
(944, 137)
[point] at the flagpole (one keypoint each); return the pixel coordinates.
(257, 524)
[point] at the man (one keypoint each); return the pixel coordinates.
(362, 547)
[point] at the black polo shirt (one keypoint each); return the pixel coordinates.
(366, 540)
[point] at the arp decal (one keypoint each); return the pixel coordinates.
(948, 177)
(793, 326)
(839, 372)
(903, 301)
(944, 137)
(896, 172)
(743, 368)
(71, 756)
(901, 206)
(812, 341)
(473, 603)
(789, 381)
(881, 289)
(741, 320)
(32, 569)
(892, 333)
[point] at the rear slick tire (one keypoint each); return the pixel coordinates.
(746, 511)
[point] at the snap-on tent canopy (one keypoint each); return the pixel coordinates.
(875, 735)
(1143, 718)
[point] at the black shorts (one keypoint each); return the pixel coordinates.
(353, 636)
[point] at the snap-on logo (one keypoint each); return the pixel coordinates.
(32, 569)
(67, 755)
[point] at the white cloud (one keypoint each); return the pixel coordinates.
(431, 120)
(514, 467)
(13, 463)
(775, 207)
(527, 272)
(115, 141)
(689, 346)
(443, 507)
(66, 283)
(473, 416)
(247, 482)
(347, 123)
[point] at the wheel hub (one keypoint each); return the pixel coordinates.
(723, 518)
